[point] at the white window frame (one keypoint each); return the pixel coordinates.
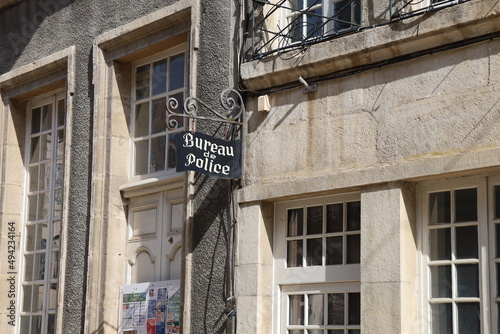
(176, 50)
(486, 237)
(49, 98)
(308, 279)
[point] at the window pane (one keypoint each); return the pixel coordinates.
(335, 309)
(316, 312)
(30, 238)
(51, 324)
(59, 173)
(56, 233)
(498, 280)
(441, 281)
(41, 236)
(441, 319)
(440, 244)
(334, 250)
(335, 331)
(36, 324)
(60, 143)
(53, 296)
(32, 207)
(179, 97)
(172, 152)
(176, 72)
(353, 248)
(43, 206)
(439, 208)
(142, 82)
(158, 154)
(141, 157)
(47, 117)
(142, 119)
(37, 298)
(295, 222)
(44, 176)
(28, 267)
(39, 266)
(467, 242)
(45, 146)
(497, 229)
(315, 220)
(315, 331)
(35, 149)
(468, 318)
(334, 218)
(466, 205)
(33, 174)
(497, 201)
(294, 253)
(468, 280)
(295, 331)
(354, 331)
(354, 315)
(158, 116)
(27, 298)
(353, 216)
(314, 252)
(54, 266)
(61, 108)
(36, 120)
(159, 77)
(296, 314)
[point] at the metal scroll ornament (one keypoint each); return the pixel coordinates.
(230, 100)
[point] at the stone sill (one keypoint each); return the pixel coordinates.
(377, 44)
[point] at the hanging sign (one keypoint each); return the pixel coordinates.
(208, 155)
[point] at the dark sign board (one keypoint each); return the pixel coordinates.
(208, 155)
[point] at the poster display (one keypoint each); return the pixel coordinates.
(150, 308)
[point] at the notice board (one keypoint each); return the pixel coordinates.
(150, 308)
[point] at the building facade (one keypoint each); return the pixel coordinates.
(369, 196)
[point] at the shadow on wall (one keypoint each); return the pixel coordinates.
(18, 25)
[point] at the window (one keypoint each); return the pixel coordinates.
(414, 6)
(458, 216)
(155, 81)
(317, 271)
(43, 219)
(310, 19)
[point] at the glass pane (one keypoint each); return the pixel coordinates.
(295, 331)
(294, 253)
(53, 296)
(142, 119)
(36, 116)
(468, 318)
(497, 242)
(315, 220)
(57, 203)
(41, 236)
(32, 207)
(468, 280)
(467, 242)
(60, 143)
(498, 280)
(314, 252)
(35, 149)
(51, 324)
(46, 146)
(141, 157)
(315, 331)
(441, 318)
(27, 298)
(334, 218)
(54, 266)
(44, 176)
(159, 77)
(296, 311)
(30, 237)
(56, 233)
(158, 154)
(172, 152)
(33, 175)
(28, 267)
(25, 324)
(334, 250)
(354, 315)
(47, 117)
(295, 222)
(335, 331)
(440, 244)
(39, 271)
(61, 108)
(439, 208)
(176, 72)
(142, 82)
(43, 206)
(353, 249)
(335, 309)
(37, 298)
(441, 281)
(353, 216)
(179, 97)
(316, 312)
(158, 116)
(497, 201)
(466, 205)
(354, 331)
(36, 324)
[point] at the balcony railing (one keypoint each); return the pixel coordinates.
(404, 8)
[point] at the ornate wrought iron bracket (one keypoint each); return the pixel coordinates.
(230, 100)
